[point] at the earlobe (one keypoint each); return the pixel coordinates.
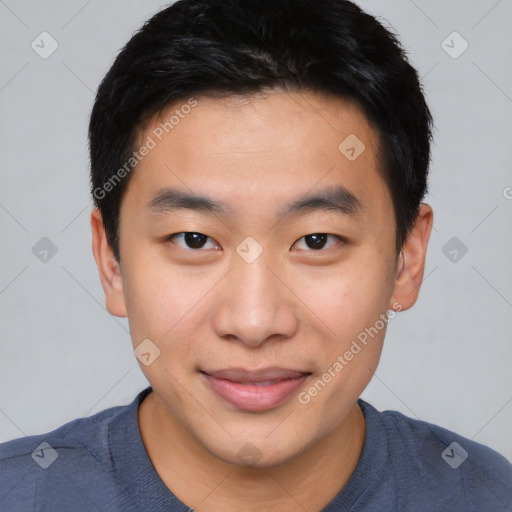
(411, 264)
(108, 267)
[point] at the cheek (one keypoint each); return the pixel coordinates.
(348, 299)
(156, 296)
(166, 302)
(161, 309)
(348, 358)
(354, 305)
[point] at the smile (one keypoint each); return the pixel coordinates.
(254, 391)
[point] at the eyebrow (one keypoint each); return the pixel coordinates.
(335, 198)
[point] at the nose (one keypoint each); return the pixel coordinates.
(254, 306)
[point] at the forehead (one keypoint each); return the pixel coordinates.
(256, 153)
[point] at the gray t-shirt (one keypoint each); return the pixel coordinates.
(99, 463)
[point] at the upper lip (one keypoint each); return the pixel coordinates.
(265, 374)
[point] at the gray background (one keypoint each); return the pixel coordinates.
(63, 356)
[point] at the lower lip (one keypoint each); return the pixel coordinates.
(249, 397)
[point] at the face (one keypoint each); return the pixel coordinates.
(256, 253)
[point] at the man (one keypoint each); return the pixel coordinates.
(258, 169)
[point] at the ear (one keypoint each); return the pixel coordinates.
(411, 264)
(108, 267)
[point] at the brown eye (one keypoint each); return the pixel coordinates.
(193, 240)
(316, 241)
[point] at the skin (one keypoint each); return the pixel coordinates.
(293, 307)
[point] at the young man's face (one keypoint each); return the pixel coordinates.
(216, 303)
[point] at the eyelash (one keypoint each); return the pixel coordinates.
(183, 233)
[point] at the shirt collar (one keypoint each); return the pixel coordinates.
(133, 467)
(147, 491)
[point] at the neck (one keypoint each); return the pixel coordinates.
(308, 482)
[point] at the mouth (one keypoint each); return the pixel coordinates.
(254, 391)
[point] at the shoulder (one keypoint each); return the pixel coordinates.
(75, 434)
(447, 464)
(64, 458)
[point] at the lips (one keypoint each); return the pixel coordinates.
(246, 376)
(257, 390)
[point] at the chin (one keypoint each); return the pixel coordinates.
(260, 453)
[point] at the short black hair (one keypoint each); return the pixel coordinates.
(219, 48)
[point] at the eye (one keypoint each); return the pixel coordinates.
(193, 240)
(316, 241)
